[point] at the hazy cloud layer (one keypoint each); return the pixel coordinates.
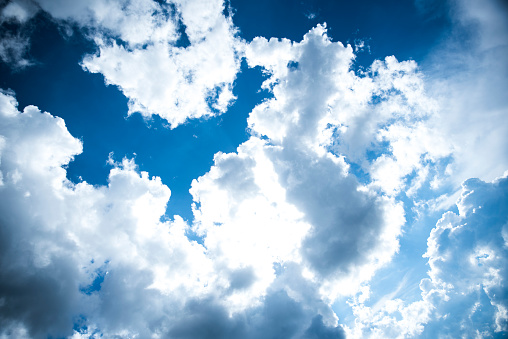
(467, 76)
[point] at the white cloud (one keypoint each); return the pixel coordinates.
(246, 219)
(57, 237)
(99, 258)
(377, 119)
(176, 83)
(285, 198)
(134, 22)
(468, 257)
(19, 10)
(158, 74)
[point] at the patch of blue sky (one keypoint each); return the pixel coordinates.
(362, 176)
(81, 326)
(378, 149)
(390, 27)
(99, 275)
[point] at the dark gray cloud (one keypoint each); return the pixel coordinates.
(44, 299)
(318, 330)
(346, 223)
(206, 319)
(280, 316)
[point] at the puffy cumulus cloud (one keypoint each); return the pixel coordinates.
(465, 292)
(284, 199)
(177, 83)
(75, 251)
(468, 260)
(247, 223)
(133, 22)
(284, 313)
(377, 119)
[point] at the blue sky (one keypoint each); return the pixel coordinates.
(253, 169)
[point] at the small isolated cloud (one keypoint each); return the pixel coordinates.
(362, 45)
(15, 44)
(13, 50)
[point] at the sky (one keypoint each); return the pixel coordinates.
(253, 169)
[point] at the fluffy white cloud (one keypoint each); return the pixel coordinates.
(283, 198)
(377, 119)
(157, 72)
(177, 83)
(468, 258)
(57, 238)
(175, 59)
(134, 22)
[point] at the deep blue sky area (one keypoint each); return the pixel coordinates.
(390, 27)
